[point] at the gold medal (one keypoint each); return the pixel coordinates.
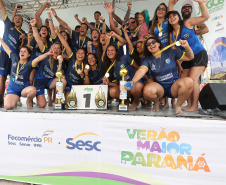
(160, 34)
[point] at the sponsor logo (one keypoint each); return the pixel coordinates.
(217, 17)
(88, 89)
(153, 67)
(186, 36)
(213, 6)
(168, 60)
(83, 144)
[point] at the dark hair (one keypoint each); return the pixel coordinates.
(155, 18)
(78, 26)
(90, 74)
(146, 51)
(84, 52)
(135, 54)
(28, 50)
(136, 13)
(170, 27)
(20, 17)
(99, 47)
(48, 36)
(107, 62)
(68, 37)
(97, 12)
(85, 24)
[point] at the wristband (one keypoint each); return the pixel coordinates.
(50, 19)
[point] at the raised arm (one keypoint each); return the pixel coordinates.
(121, 40)
(104, 27)
(51, 26)
(2, 8)
(189, 55)
(110, 12)
(17, 7)
(61, 22)
(5, 46)
(29, 39)
(171, 4)
(84, 19)
(39, 13)
(126, 18)
(197, 20)
(77, 19)
(63, 42)
(37, 36)
(41, 57)
(129, 43)
(201, 29)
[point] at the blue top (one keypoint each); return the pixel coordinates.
(11, 36)
(94, 49)
(77, 43)
(192, 39)
(45, 71)
(35, 49)
(72, 77)
(24, 71)
(164, 37)
(164, 69)
(97, 77)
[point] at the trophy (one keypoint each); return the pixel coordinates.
(100, 99)
(59, 91)
(123, 92)
(72, 100)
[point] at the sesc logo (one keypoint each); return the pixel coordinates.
(83, 144)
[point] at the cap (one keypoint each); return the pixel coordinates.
(172, 12)
(187, 2)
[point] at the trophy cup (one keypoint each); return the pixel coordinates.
(123, 92)
(59, 91)
(72, 100)
(100, 99)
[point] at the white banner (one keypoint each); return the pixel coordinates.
(110, 149)
(216, 38)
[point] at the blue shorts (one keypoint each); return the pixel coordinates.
(167, 92)
(42, 84)
(68, 88)
(5, 63)
(16, 89)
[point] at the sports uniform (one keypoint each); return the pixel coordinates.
(161, 32)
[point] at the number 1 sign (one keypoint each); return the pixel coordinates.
(91, 96)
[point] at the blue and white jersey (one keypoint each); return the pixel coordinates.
(164, 69)
(164, 37)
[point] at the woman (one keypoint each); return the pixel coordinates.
(95, 47)
(185, 30)
(112, 64)
(19, 84)
(93, 71)
(74, 73)
(166, 81)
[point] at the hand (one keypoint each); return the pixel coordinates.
(82, 74)
(50, 52)
(33, 22)
(181, 71)
(113, 34)
(102, 18)
(60, 60)
(108, 7)
(150, 80)
(89, 44)
(49, 15)
(76, 16)
(18, 5)
(56, 29)
(30, 36)
(47, 5)
(173, 1)
(129, 4)
(53, 12)
(23, 37)
(65, 57)
(106, 80)
(184, 43)
(84, 19)
(86, 71)
(108, 35)
(199, 1)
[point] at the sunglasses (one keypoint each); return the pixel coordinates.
(185, 7)
(150, 43)
(132, 22)
(163, 9)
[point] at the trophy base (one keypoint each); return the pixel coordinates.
(123, 108)
(71, 108)
(58, 107)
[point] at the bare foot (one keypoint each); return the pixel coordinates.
(164, 106)
(191, 109)
(156, 107)
(29, 104)
(133, 106)
(178, 110)
(149, 105)
(186, 107)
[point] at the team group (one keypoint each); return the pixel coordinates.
(164, 56)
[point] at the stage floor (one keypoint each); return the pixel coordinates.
(113, 110)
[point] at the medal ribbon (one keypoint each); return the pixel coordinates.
(76, 67)
(82, 42)
(18, 70)
(111, 66)
(160, 27)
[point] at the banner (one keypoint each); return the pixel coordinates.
(68, 149)
(216, 38)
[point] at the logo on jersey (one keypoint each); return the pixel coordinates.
(12, 28)
(122, 66)
(14, 65)
(153, 67)
(186, 36)
(168, 60)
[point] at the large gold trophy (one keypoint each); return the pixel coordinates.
(59, 91)
(123, 92)
(72, 100)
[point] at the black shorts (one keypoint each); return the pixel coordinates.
(201, 59)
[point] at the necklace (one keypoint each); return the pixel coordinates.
(177, 34)
(160, 29)
(82, 42)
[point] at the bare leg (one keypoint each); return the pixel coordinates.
(152, 92)
(173, 102)
(2, 85)
(41, 101)
(186, 74)
(182, 89)
(50, 100)
(166, 103)
(114, 92)
(137, 93)
(30, 93)
(10, 101)
(195, 72)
